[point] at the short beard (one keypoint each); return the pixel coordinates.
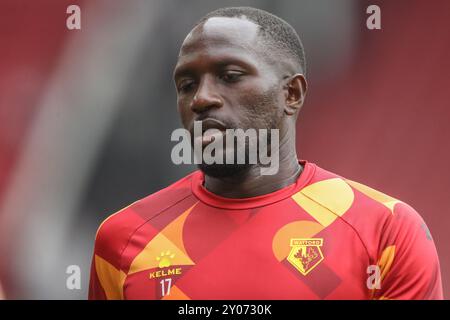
(235, 168)
(224, 170)
(271, 120)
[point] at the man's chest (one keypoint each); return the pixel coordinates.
(250, 260)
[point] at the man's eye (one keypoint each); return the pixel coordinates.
(231, 76)
(185, 85)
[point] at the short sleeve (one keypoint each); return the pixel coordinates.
(407, 258)
(106, 277)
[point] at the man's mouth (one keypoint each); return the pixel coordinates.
(208, 130)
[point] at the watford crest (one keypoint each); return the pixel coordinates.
(305, 254)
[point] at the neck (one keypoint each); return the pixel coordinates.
(252, 183)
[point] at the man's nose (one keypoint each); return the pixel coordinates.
(206, 96)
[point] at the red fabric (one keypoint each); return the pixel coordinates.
(234, 250)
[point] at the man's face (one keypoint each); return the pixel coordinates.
(223, 80)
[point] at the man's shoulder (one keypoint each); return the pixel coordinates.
(371, 213)
(336, 191)
(387, 214)
(364, 208)
(392, 232)
(114, 232)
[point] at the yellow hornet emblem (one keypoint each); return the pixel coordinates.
(305, 254)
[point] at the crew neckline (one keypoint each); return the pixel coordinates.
(217, 201)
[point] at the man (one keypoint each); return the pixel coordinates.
(230, 232)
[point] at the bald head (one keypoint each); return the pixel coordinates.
(277, 40)
(224, 28)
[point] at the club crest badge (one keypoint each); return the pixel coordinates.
(305, 254)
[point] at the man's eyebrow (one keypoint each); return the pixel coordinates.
(186, 69)
(182, 71)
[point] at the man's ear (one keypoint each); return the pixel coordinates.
(295, 89)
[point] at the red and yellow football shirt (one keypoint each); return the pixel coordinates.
(323, 237)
